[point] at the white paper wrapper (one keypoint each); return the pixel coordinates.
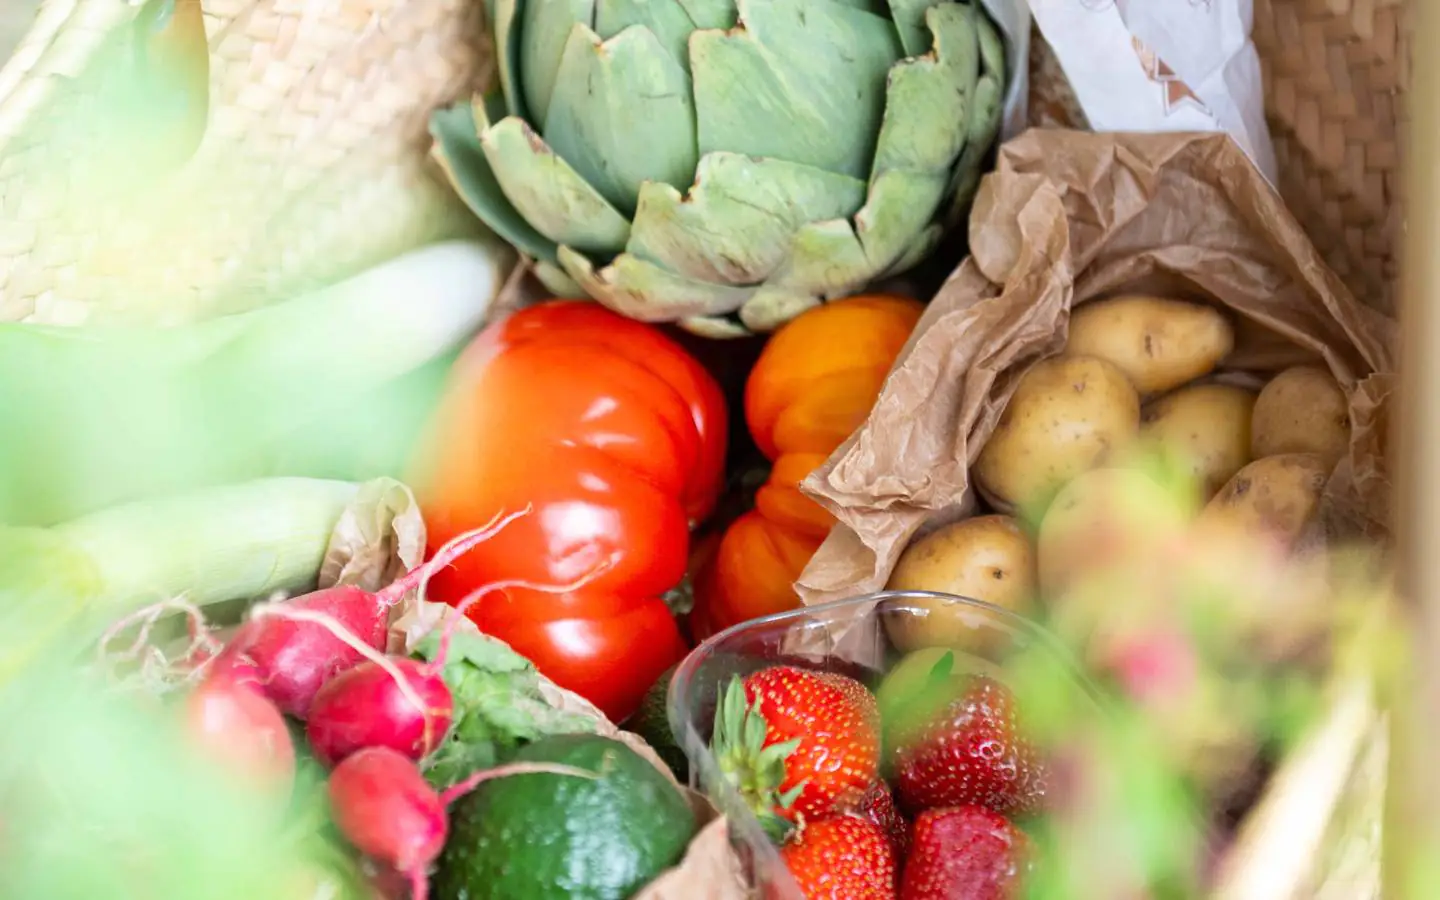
(1163, 65)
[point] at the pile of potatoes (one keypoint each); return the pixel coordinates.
(1138, 373)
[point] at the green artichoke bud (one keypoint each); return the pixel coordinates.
(727, 164)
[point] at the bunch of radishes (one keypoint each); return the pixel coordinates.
(369, 716)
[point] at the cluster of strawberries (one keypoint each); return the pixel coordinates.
(922, 814)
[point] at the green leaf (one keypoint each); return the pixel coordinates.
(457, 150)
(927, 102)
(666, 19)
(551, 195)
(909, 16)
(545, 29)
(902, 203)
(498, 707)
(719, 14)
(800, 81)
(621, 114)
(986, 111)
(736, 225)
(644, 291)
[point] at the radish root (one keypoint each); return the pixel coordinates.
(475, 596)
(419, 577)
(155, 665)
(461, 788)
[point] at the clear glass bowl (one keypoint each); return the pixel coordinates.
(849, 636)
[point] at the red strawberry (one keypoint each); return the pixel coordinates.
(963, 853)
(841, 858)
(798, 743)
(971, 754)
(878, 805)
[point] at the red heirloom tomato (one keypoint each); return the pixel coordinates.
(614, 438)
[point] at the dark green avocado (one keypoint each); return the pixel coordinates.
(561, 837)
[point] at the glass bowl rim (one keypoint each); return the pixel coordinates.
(1052, 646)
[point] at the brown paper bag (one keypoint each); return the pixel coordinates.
(1066, 218)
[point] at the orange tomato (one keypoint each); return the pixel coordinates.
(812, 387)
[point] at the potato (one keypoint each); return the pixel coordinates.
(986, 558)
(1205, 428)
(1102, 520)
(1066, 415)
(1275, 496)
(1159, 344)
(1301, 410)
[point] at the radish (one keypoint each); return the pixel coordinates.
(397, 703)
(389, 812)
(295, 656)
(236, 725)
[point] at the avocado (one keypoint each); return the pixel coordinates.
(548, 836)
(652, 723)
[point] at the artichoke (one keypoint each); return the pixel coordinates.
(726, 164)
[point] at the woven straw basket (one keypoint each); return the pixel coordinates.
(312, 165)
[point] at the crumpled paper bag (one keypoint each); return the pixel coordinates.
(1069, 217)
(380, 536)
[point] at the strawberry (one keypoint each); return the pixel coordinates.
(798, 743)
(963, 853)
(878, 805)
(841, 858)
(970, 754)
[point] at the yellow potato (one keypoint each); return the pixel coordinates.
(1159, 344)
(1100, 523)
(1066, 416)
(1301, 410)
(1275, 496)
(985, 558)
(1205, 428)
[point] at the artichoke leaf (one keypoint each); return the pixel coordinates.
(622, 114)
(557, 282)
(457, 151)
(825, 260)
(773, 306)
(666, 19)
(736, 224)
(716, 14)
(714, 327)
(543, 35)
(505, 18)
(797, 80)
(909, 16)
(642, 290)
(919, 248)
(928, 98)
(986, 111)
(902, 203)
(548, 193)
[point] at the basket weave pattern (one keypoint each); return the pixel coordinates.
(1336, 72)
(313, 164)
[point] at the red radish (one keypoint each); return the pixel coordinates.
(398, 703)
(387, 809)
(389, 812)
(296, 656)
(236, 725)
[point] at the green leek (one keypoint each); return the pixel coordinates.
(334, 384)
(209, 546)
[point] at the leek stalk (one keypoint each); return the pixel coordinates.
(217, 544)
(93, 416)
